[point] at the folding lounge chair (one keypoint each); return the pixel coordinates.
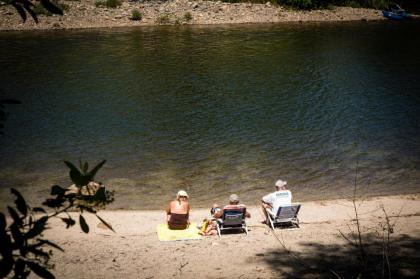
(286, 215)
(232, 220)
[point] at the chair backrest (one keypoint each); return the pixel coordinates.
(289, 211)
(233, 217)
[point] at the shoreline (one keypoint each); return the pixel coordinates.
(85, 15)
(134, 250)
(414, 196)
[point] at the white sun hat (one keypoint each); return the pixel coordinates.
(280, 183)
(182, 193)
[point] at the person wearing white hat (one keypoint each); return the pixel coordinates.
(276, 199)
(177, 212)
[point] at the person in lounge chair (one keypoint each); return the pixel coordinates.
(276, 199)
(177, 212)
(234, 204)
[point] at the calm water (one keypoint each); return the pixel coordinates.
(215, 110)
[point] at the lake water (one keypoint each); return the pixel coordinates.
(215, 110)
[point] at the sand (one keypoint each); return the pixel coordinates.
(134, 250)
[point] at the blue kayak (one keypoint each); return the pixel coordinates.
(392, 15)
(395, 12)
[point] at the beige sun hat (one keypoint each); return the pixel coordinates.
(182, 193)
(280, 183)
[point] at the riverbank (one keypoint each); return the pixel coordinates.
(85, 14)
(134, 250)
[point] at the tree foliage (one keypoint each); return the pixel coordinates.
(25, 7)
(23, 248)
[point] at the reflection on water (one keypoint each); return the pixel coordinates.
(215, 110)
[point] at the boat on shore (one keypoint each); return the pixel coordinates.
(395, 12)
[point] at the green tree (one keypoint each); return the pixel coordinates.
(23, 248)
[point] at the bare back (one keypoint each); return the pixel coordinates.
(178, 207)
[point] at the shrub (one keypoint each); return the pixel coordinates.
(163, 19)
(188, 16)
(113, 3)
(136, 15)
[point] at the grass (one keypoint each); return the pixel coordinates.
(188, 17)
(163, 19)
(136, 15)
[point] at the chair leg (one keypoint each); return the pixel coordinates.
(271, 223)
(246, 230)
(218, 230)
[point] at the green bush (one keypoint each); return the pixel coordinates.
(188, 16)
(136, 15)
(113, 3)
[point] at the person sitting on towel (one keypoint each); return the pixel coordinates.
(276, 199)
(234, 204)
(177, 212)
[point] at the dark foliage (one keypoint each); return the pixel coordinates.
(23, 248)
(24, 7)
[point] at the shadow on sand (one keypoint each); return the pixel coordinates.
(314, 260)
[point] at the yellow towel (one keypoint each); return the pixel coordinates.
(165, 234)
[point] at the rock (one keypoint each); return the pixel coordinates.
(195, 6)
(268, 4)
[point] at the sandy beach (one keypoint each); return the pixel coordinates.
(85, 14)
(134, 250)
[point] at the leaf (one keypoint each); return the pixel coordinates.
(51, 7)
(16, 219)
(70, 165)
(83, 225)
(20, 202)
(105, 223)
(39, 209)
(17, 237)
(3, 222)
(40, 270)
(85, 167)
(20, 10)
(49, 243)
(20, 268)
(38, 252)
(93, 172)
(38, 228)
(6, 262)
(54, 203)
(69, 222)
(57, 190)
(27, 7)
